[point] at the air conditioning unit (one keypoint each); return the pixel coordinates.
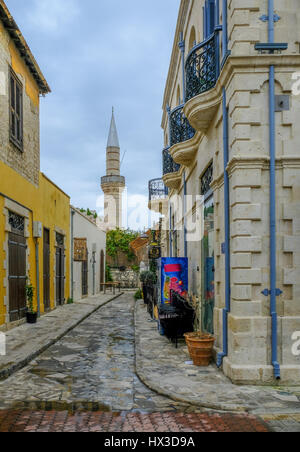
(37, 229)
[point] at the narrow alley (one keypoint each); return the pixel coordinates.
(87, 382)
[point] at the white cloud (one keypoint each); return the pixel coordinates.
(52, 15)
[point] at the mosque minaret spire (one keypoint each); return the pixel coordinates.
(113, 184)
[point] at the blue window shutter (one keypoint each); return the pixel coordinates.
(204, 22)
(211, 17)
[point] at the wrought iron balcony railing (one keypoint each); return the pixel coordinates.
(202, 67)
(157, 190)
(180, 128)
(169, 166)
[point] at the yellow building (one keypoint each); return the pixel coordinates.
(34, 212)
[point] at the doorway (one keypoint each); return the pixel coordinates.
(102, 271)
(84, 277)
(208, 268)
(46, 271)
(60, 269)
(17, 268)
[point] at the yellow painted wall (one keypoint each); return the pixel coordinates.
(51, 207)
(19, 66)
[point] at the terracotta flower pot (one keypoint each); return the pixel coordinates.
(200, 348)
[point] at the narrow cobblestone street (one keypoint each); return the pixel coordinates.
(87, 382)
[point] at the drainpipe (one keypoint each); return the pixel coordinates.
(182, 49)
(72, 253)
(171, 236)
(170, 209)
(184, 215)
(273, 278)
(37, 266)
(226, 311)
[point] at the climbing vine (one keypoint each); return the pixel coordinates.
(119, 241)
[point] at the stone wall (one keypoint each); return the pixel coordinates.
(129, 279)
(27, 161)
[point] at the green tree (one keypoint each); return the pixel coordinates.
(119, 240)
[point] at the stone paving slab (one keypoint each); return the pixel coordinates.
(26, 342)
(165, 369)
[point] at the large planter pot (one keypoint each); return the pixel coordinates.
(31, 317)
(200, 348)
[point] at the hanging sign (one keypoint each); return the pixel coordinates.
(80, 250)
(154, 252)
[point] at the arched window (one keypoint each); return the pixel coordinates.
(192, 39)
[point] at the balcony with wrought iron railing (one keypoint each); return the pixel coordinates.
(184, 139)
(202, 70)
(180, 128)
(171, 170)
(158, 195)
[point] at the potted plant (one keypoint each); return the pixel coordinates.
(31, 314)
(200, 344)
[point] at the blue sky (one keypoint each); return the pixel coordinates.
(96, 54)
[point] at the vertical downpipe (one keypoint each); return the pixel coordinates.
(184, 215)
(227, 234)
(171, 236)
(273, 247)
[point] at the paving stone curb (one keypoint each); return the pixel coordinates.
(11, 368)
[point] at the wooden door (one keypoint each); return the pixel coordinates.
(60, 270)
(85, 288)
(102, 270)
(17, 269)
(46, 271)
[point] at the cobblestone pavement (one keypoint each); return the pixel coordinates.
(27, 341)
(91, 372)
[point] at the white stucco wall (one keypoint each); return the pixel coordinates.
(96, 242)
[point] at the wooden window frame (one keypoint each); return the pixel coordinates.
(13, 110)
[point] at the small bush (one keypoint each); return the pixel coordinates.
(148, 278)
(70, 301)
(138, 295)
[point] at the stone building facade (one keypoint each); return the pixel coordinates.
(231, 144)
(34, 212)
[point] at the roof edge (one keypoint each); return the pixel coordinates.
(23, 48)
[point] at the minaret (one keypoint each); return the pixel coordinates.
(113, 184)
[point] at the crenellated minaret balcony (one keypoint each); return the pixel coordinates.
(117, 180)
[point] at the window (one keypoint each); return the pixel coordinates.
(16, 111)
(208, 18)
